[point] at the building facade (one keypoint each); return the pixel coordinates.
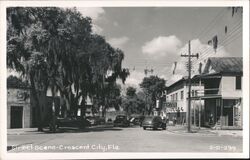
(22, 111)
(19, 110)
(222, 94)
(176, 105)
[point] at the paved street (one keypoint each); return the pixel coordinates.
(132, 139)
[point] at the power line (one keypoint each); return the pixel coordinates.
(212, 23)
(204, 34)
(219, 15)
(228, 34)
(236, 30)
(205, 31)
(225, 42)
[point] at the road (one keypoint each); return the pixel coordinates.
(133, 139)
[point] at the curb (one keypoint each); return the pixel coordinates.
(228, 134)
(209, 133)
(192, 133)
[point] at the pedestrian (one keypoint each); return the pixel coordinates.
(174, 119)
(211, 119)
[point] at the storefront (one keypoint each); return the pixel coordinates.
(19, 111)
(174, 113)
(222, 93)
(223, 113)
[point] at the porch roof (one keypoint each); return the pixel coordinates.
(206, 97)
(224, 65)
(206, 76)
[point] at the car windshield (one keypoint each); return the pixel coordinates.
(150, 118)
(120, 117)
(90, 117)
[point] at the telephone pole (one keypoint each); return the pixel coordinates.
(146, 71)
(189, 83)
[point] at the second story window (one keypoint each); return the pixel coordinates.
(238, 82)
(182, 94)
(195, 93)
(192, 93)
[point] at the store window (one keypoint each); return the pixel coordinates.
(192, 93)
(196, 93)
(182, 94)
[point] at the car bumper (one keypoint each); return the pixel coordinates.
(120, 124)
(148, 125)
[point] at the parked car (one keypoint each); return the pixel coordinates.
(134, 121)
(96, 120)
(100, 120)
(153, 122)
(141, 118)
(121, 121)
(109, 120)
(92, 120)
(72, 122)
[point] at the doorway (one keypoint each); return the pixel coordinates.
(16, 117)
(228, 111)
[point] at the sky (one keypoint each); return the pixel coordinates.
(155, 37)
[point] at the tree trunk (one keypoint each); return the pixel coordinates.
(36, 100)
(104, 111)
(83, 108)
(53, 111)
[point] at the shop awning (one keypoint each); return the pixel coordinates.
(206, 97)
(206, 76)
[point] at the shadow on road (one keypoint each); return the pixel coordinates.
(89, 129)
(10, 147)
(154, 130)
(65, 129)
(102, 129)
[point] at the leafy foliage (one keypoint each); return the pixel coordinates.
(13, 81)
(131, 91)
(55, 49)
(133, 103)
(153, 87)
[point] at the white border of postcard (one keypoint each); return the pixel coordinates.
(123, 155)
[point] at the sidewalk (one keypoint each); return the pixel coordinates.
(21, 131)
(181, 129)
(27, 131)
(234, 133)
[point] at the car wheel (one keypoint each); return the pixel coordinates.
(164, 126)
(144, 128)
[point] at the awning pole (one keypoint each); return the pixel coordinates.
(221, 113)
(200, 104)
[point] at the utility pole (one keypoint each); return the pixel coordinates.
(189, 83)
(200, 96)
(146, 71)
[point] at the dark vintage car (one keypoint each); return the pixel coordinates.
(153, 122)
(96, 120)
(77, 122)
(141, 118)
(109, 120)
(121, 121)
(134, 120)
